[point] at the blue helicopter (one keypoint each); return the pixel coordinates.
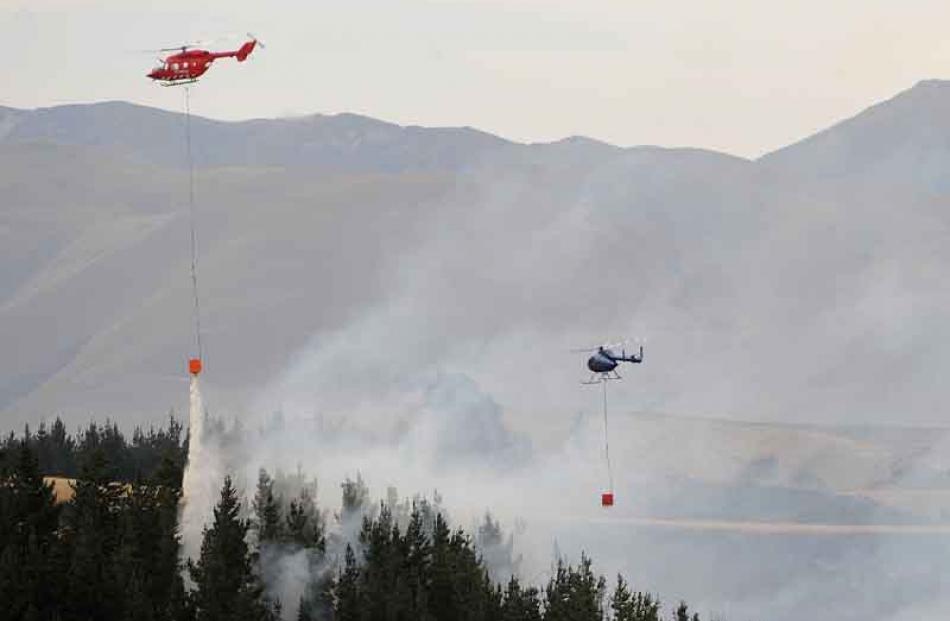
(605, 360)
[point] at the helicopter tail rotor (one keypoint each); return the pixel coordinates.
(248, 47)
(245, 51)
(256, 40)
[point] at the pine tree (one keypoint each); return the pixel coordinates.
(627, 606)
(460, 587)
(575, 594)
(497, 550)
(29, 574)
(63, 451)
(346, 591)
(227, 588)
(418, 565)
(383, 590)
(168, 586)
(267, 521)
(355, 497)
(147, 564)
(304, 525)
(442, 601)
(92, 538)
(520, 604)
(682, 613)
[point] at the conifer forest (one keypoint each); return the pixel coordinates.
(111, 549)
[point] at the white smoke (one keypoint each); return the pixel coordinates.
(203, 475)
(447, 433)
(290, 573)
(458, 380)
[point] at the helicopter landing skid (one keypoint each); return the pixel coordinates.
(180, 82)
(598, 378)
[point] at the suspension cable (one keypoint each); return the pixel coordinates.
(610, 474)
(191, 219)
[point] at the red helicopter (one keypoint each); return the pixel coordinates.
(189, 64)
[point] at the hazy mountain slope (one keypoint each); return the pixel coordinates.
(858, 255)
(284, 253)
(73, 219)
(413, 294)
(903, 138)
(104, 314)
(769, 290)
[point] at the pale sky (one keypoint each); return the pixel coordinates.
(743, 77)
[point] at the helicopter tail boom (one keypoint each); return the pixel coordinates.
(245, 50)
(240, 54)
(633, 357)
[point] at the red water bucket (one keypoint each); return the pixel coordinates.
(194, 366)
(607, 499)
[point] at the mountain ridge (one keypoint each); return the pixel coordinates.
(349, 119)
(342, 121)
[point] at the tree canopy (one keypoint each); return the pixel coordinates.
(112, 552)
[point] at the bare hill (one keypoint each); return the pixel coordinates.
(803, 287)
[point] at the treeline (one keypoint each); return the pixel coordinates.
(112, 552)
(62, 454)
(430, 571)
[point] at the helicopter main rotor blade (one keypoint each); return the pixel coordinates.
(624, 343)
(190, 45)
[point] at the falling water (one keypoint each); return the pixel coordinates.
(203, 475)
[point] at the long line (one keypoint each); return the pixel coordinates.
(191, 219)
(610, 474)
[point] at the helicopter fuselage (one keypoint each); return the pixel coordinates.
(604, 361)
(601, 362)
(188, 65)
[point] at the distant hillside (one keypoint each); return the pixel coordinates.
(903, 138)
(342, 258)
